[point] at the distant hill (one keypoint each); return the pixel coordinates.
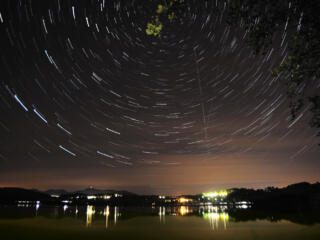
(20, 194)
(58, 192)
(88, 191)
(93, 191)
(12, 195)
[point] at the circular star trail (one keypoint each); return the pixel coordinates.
(82, 84)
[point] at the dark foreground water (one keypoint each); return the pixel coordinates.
(40, 222)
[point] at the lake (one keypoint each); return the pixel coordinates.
(206, 222)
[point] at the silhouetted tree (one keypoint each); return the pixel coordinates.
(297, 22)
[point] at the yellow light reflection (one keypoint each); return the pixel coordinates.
(183, 210)
(107, 213)
(162, 214)
(216, 218)
(90, 212)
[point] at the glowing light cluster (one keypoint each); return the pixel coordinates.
(183, 200)
(222, 193)
(183, 210)
(91, 197)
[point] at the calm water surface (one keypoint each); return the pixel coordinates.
(40, 222)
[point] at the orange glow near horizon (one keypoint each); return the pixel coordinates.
(183, 210)
(183, 200)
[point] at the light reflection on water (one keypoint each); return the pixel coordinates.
(107, 213)
(162, 214)
(116, 215)
(163, 222)
(216, 216)
(90, 212)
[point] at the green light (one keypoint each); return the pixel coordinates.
(221, 193)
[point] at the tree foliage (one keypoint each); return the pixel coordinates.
(167, 11)
(297, 21)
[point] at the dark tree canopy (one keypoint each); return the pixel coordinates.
(297, 24)
(293, 24)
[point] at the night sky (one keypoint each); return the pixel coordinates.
(88, 99)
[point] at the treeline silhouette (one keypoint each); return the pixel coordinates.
(19, 194)
(299, 196)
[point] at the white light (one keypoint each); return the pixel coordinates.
(64, 129)
(20, 102)
(91, 197)
(39, 115)
(66, 150)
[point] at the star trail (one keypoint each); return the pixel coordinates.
(87, 98)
